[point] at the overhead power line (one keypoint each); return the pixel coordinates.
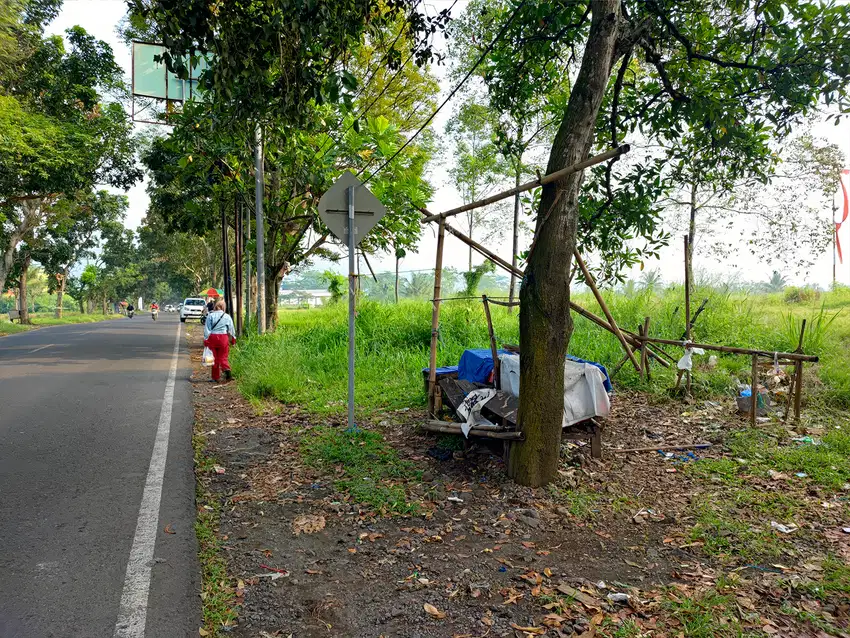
(450, 96)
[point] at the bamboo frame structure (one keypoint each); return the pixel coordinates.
(631, 342)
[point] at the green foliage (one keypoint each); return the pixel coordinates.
(473, 277)
(337, 285)
(369, 469)
(307, 69)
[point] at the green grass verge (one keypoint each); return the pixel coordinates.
(218, 596)
(41, 320)
(824, 461)
(305, 361)
(367, 468)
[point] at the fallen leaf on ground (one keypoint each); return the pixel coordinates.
(530, 630)
(433, 611)
(308, 523)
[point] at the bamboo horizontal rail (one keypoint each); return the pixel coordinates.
(447, 427)
(790, 356)
(509, 304)
(546, 179)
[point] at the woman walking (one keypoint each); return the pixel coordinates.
(219, 334)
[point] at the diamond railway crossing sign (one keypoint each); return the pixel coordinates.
(333, 208)
(348, 205)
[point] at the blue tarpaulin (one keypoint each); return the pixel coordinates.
(476, 365)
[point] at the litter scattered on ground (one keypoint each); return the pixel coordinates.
(218, 469)
(785, 529)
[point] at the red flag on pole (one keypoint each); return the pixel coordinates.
(841, 176)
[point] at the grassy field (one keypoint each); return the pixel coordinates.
(39, 320)
(305, 362)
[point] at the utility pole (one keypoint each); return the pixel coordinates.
(247, 268)
(259, 193)
(228, 296)
(237, 211)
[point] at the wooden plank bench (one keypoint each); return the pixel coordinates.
(15, 314)
(504, 408)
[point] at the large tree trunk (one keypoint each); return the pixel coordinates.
(545, 322)
(25, 311)
(60, 294)
(30, 217)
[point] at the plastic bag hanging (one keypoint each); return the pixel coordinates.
(686, 362)
(207, 358)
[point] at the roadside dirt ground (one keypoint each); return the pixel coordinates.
(609, 550)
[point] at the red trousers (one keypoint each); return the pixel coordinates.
(220, 346)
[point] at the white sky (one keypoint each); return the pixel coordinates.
(100, 17)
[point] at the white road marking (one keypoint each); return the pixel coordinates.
(41, 348)
(132, 613)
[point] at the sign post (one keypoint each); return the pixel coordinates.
(350, 210)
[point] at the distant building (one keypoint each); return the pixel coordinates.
(301, 298)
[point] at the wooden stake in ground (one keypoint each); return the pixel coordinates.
(688, 306)
(494, 351)
(435, 320)
(798, 377)
(754, 392)
(644, 359)
(616, 329)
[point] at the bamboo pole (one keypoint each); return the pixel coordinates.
(790, 356)
(798, 377)
(614, 327)
(546, 179)
(454, 428)
(494, 351)
(662, 448)
(435, 320)
(687, 308)
(644, 359)
(754, 390)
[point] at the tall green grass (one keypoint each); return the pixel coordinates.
(305, 360)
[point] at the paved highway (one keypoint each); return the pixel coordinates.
(95, 464)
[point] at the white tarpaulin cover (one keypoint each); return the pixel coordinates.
(584, 388)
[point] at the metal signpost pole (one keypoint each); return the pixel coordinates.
(351, 300)
(259, 193)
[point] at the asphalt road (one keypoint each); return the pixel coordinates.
(83, 441)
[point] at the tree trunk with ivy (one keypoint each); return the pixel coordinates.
(545, 322)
